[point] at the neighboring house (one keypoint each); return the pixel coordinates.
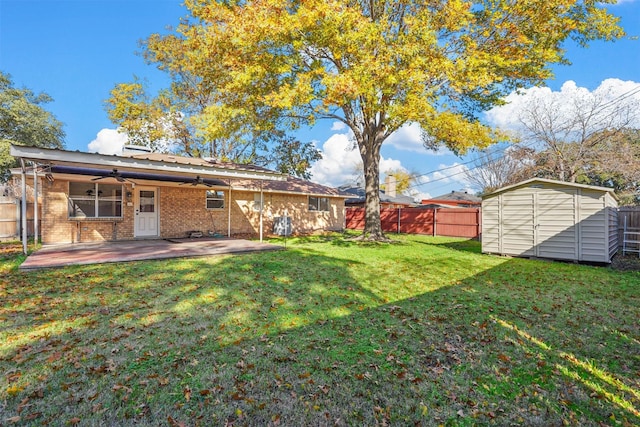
(551, 219)
(455, 199)
(90, 197)
(388, 198)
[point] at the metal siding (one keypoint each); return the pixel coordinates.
(491, 225)
(517, 222)
(593, 239)
(556, 223)
(551, 220)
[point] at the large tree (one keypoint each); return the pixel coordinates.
(24, 121)
(575, 130)
(496, 167)
(373, 65)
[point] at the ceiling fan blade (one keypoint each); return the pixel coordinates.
(97, 178)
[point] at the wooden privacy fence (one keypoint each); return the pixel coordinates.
(452, 222)
(10, 218)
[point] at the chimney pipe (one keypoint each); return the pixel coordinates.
(390, 186)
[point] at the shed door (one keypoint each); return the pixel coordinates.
(555, 219)
(518, 223)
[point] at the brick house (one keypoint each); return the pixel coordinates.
(89, 197)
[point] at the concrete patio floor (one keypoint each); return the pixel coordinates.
(137, 250)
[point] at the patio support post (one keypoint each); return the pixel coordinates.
(23, 205)
(36, 228)
(261, 207)
(229, 212)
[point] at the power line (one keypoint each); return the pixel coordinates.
(601, 108)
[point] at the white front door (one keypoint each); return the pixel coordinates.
(146, 212)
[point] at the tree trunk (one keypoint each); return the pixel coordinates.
(369, 145)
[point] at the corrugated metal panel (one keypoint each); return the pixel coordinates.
(592, 224)
(517, 222)
(491, 232)
(551, 220)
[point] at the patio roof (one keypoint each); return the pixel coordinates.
(161, 167)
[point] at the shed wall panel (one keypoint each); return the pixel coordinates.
(491, 233)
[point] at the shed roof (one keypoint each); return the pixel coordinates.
(540, 181)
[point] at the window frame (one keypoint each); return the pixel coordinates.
(258, 202)
(220, 198)
(318, 204)
(94, 195)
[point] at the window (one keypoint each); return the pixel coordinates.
(319, 204)
(94, 200)
(215, 199)
(256, 202)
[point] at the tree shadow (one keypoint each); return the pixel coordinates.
(295, 339)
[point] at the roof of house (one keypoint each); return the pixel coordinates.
(542, 181)
(169, 168)
(358, 196)
(457, 196)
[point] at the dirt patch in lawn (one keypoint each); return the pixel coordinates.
(626, 263)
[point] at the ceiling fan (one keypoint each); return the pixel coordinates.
(113, 174)
(197, 181)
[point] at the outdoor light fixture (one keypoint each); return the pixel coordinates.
(129, 194)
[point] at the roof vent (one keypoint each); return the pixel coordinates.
(136, 149)
(210, 159)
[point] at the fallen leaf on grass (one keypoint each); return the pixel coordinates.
(504, 357)
(174, 423)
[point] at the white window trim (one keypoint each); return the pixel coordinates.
(96, 199)
(319, 199)
(207, 198)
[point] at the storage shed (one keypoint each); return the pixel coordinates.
(543, 218)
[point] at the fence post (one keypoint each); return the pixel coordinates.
(435, 212)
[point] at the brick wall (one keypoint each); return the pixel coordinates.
(183, 209)
(295, 206)
(58, 228)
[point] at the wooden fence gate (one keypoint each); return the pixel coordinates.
(452, 222)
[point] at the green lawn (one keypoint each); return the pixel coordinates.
(425, 331)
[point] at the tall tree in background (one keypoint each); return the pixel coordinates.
(574, 135)
(174, 121)
(23, 121)
(373, 65)
(496, 167)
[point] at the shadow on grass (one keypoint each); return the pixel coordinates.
(295, 339)
(457, 244)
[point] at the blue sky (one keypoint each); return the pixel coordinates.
(77, 50)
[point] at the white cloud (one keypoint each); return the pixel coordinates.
(409, 138)
(108, 141)
(610, 93)
(451, 174)
(341, 162)
(338, 126)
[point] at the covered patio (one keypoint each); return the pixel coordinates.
(139, 250)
